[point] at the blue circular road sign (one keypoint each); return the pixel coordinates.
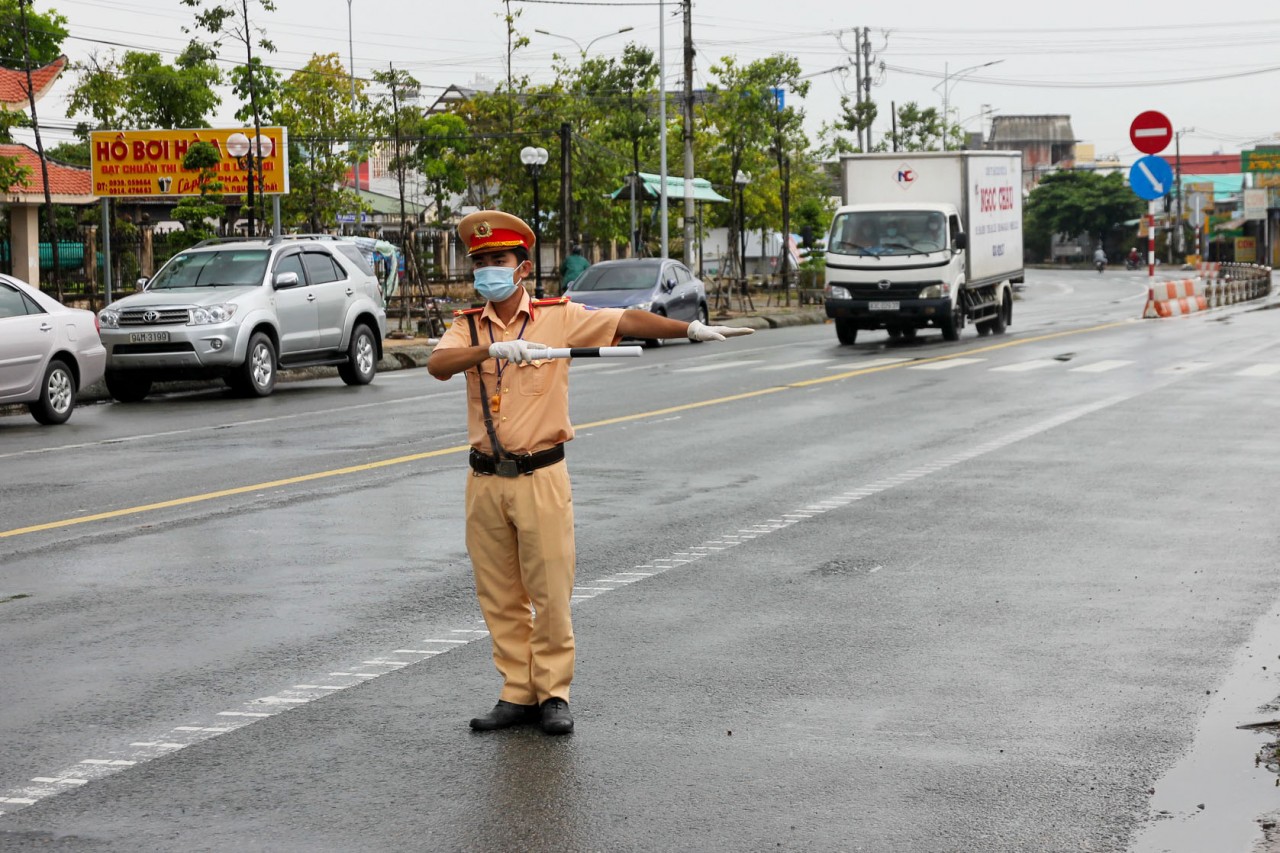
(1151, 177)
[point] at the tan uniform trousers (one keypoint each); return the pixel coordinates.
(520, 538)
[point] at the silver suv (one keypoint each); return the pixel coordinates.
(241, 310)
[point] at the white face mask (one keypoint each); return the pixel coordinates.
(495, 283)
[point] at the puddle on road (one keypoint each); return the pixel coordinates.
(1214, 796)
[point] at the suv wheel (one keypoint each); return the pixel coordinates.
(362, 358)
(257, 376)
(127, 386)
(57, 395)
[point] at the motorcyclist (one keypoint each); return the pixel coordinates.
(1134, 259)
(1099, 258)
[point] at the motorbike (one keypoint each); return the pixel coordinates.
(1101, 265)
(1132, 263)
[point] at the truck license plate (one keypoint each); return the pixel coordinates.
(883, 306)
(148, 337)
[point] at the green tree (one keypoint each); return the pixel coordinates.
(439, 156)
(230, 19)
(194, 211)
(1072, 203)
(920, 130)
(141, 90)
(46, 33)
(315, 104)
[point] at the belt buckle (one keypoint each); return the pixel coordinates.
(506, 468)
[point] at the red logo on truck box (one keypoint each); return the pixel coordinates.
(905, 177)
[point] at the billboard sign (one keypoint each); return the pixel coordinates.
(1259, 161)
(137, 163)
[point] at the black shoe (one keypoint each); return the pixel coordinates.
(556, 719)
(505, 715)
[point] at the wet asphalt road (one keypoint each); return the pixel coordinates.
(919, 597)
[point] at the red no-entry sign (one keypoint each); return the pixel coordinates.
(1151, 132)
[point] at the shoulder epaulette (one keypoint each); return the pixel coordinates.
(551, 300)
(464, 311)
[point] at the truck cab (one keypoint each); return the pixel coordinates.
(893, 267)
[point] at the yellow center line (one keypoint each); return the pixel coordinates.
(416, 457)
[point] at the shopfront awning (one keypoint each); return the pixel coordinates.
(649, 188)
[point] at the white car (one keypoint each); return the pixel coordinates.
(48, 352)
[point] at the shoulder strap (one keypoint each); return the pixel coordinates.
(494, 444)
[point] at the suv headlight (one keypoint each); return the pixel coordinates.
(642, 306)
(109, 318)
(210, 314)
(835, 291)
(935, 291)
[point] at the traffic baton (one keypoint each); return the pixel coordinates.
(591, 352)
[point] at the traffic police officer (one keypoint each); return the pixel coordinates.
(519, 528)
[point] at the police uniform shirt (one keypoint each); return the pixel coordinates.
(533, 409)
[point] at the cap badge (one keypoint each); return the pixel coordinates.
(483, 229)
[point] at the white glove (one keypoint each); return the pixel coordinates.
(700, 331)
(519, 351)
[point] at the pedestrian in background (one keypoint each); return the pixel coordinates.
(572, 267)
(518, 504)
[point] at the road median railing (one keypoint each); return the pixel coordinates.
(1216, 285)
(1229, 284)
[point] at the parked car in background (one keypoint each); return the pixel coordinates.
(240, 310)
(48, 352)
(664, 287)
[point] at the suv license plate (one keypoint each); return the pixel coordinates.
(883, 306)
(148, 337)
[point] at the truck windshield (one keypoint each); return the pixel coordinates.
(888, 232)
(219, 268)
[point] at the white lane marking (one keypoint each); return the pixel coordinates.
(707, 368)
(1101, 366)
(864, 365)
(1025, 366)
(946, 365)
(323, 413)
(1260, 370)
(140, 753)
(1184, 367)
(808, 362)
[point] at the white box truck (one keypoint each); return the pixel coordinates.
(925, 239)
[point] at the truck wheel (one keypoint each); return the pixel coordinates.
(895, 334)
(953, 324)
(57, 395)
(909, 333)
(126, 386)
(1003, 317)
(846, 332)
(257, 376)
(362, 358)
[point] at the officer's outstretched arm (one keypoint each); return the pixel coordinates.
(643, 324)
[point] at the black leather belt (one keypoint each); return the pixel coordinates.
(483, 463)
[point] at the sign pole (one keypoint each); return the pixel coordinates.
(1151, 246)
(106, 250)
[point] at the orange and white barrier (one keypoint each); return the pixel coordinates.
(1173, 298)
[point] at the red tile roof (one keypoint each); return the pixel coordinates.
(63, 180)
(13, 82)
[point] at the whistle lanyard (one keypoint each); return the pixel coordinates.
(496, 402)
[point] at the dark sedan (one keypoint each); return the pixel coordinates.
(664, 287)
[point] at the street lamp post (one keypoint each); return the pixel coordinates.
(740, 181)
(582, 51)
(1177, 188)
(948, 80)
(535, 159)
(351, 58)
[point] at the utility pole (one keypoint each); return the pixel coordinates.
(857, 84)
(688, 133)
(866, 76)
(567, 233)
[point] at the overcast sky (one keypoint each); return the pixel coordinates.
(1101, 63)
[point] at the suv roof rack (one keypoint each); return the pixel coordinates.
(213, 241)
